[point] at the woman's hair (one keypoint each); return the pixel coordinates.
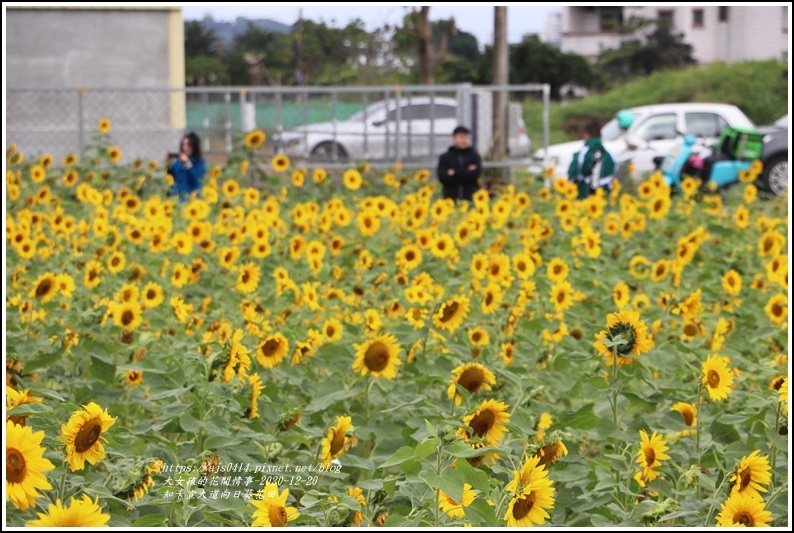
(195, 144)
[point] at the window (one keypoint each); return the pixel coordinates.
(610, 18)
(658, 127)
(722, 15)
(697, 18)
(664, 19)
(704, 124)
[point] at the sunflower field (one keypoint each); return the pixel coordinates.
(346, 348)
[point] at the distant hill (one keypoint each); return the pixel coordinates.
(226, 30)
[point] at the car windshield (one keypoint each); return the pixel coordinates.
(369, 112)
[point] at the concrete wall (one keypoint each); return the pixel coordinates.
(750, 33)
(65, 53)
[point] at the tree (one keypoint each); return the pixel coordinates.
(419, 30)
(650, 46)
(500, 77)
(532, 61)
(199, 40)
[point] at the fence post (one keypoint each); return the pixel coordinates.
(80, 118)
(205, 121)
(228, 134)
(546, 100)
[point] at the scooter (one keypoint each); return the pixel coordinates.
(734, 152)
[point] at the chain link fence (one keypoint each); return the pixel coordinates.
(328, 126)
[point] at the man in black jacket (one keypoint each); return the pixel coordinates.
(459, 167)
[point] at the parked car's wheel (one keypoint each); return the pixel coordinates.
(775, 176)
(330, 151)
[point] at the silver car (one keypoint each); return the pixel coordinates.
(412, 128)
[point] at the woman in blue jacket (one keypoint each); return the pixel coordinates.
(187, 168)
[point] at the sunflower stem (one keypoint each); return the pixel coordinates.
(773, 461)
(714, 498)
(62, 485)
(614, 402)
(697, 434)
(438, 491)
(366, 398)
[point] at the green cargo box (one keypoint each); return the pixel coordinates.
(742, 143)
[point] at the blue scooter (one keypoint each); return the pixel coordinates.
(734, 152)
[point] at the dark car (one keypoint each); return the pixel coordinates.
(775, 157)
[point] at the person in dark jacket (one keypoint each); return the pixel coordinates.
(187, 167)
(459, 168)
(593, 167)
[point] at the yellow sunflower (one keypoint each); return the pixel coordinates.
(152, 295)
(750, 476)
(45, 287)
(272, 510)
(450, 314)
(625, 326)
(717, 377)
(248, 278)
(783, 396)
(83, 438)
(280, 162)
(743, 510)
(25, 465)
(491, 299)
(272, 350)
(255, 138)
(651, 455)
(409, 257)
(319, 175)
(562, 296)
(732, 283)
(620, 294)
(557, 270)
(661, 269)
(133, 378)
(256, 389)
(378, 356)
(777, 309)
(337, 440)
(486, 422)
(544, 422)
(114, 154)
(529, 507)
(478, 336)
(352, 179)
(472, 377)
(81, 512)
(689, 412)
(104, 125)
(455, 509)
(128, 315)
(16, 398)
(550, 450)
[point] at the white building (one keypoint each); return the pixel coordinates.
(717, 33)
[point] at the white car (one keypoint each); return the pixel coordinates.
(653, 131)
(420, 128)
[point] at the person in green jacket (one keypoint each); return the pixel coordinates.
(593, 166)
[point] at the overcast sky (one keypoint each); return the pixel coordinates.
(476, 19)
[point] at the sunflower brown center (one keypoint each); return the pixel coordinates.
(476, 336)
(650, 457)
(560, 297)
(689, 417)
(337, 443)
(246, 277)
(330, 330)
(276, 513)
(88, 435)
(713, 379)
(628, 334)
(270, 347)
(127, 317)
(151, 294)
(482, 422)
(523, 506)
(376, 357)
(471, 379)
(16, 469)
(488, 298)
(690, 330)
(450, 310)
(744, 519)
(409, 255)
(777, 310)
(745, 477)
(44, 287)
